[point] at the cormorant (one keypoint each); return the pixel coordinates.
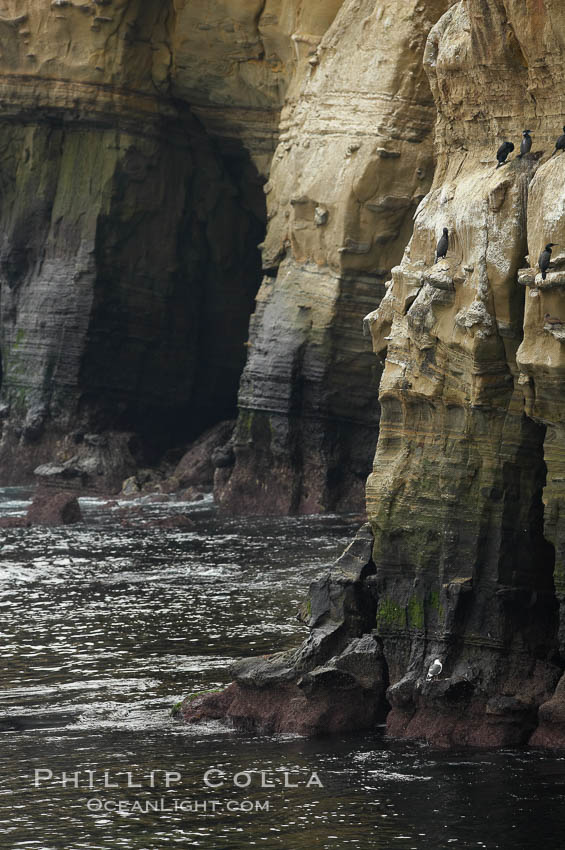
(503, 151)
(545, 258)
(441, 248)
(551, 320)
(526, 145)
(560, 143)
(434, 670)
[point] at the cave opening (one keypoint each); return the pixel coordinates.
(177, 271)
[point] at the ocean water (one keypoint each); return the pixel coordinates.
(105, 626)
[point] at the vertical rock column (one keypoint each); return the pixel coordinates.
(541, 358)
(353, 162)
(464, 572)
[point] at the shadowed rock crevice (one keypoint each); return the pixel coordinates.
(171, 317)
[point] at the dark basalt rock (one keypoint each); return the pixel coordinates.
(223, 457)
(95, 463)
(334, 682)
(486, 695)
(270, 696)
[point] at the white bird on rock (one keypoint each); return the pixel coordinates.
(435, 669)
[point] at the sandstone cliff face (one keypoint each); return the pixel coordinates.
(354, 160)
(235, 62)
(136, 137)
(456, 498)
(465, 500)
(128, 256)
(134, 140)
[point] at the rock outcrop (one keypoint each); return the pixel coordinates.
(457, 499)
(334, 682)
(135, 138)
(210, 451)
(465, 500)
(128, 260)
(353, 162)
(51, 507)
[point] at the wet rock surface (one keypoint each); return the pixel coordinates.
(334, 682)
(50, 507)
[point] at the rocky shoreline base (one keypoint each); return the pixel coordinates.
(339, 679)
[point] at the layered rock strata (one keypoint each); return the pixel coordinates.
(128, 260)
(541, 361)
(466, 495)
(463, 546)
(354, 160)
(236, 63)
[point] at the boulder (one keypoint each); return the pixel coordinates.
(53, 508)
(196, 467)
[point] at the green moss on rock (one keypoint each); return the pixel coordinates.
(391, 615)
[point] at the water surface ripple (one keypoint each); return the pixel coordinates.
(104, 627)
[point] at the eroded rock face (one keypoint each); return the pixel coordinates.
(354, 160)
(465, 498)
(128, 259)
(456, 498)
(136, 137)
(235, 62)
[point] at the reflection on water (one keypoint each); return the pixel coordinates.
(103, 628)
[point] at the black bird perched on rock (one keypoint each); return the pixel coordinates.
(560, 143)
(526, 145)
(545, 259)
(441, 248)
(503, 151)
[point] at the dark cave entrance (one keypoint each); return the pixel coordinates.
(177, 271)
